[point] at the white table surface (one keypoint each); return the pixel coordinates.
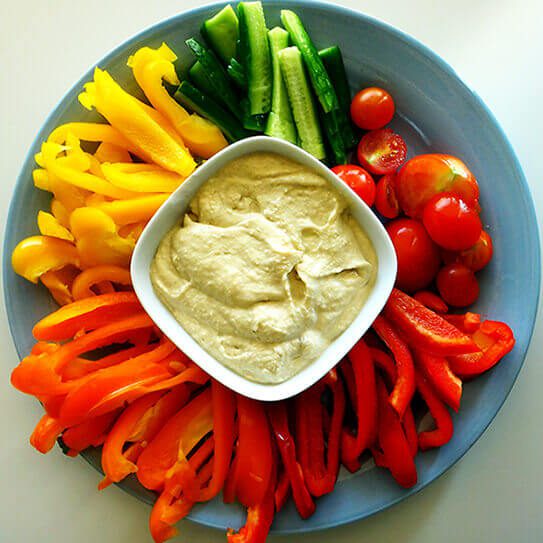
(493, 494)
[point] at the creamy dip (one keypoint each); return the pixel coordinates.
(267, 268)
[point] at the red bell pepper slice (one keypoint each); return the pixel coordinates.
(443, 420)
(385, 363)
(86, 314)
(277, 414)
(319, 463)
(257, 525)
(404, 387)
(431, 301)
(364, 404)
(224, 413)
(425, 329)
(282, 491)
(495, 339)
(436, 369)
(45, 433)
(397, 455)
(89, 433)
(467, 323)
(254, 455)
(179, 435)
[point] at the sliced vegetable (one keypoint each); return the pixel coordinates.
(425, 329)
(333, 62)
(254, 53)
(237, 73)
(317, 72)
(280, 123)
(221, 32)
(301, 101)
(381, 151)
(195, 100)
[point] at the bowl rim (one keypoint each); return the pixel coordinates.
(430, 56)
(170, 214)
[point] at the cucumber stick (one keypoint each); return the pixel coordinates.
(237, 74)
(216, 75)
(333, 62)
(221, 32)
(254, 54)
(301, 101)
(195, 100)
(317, 72)
(280, 122)
(201, 81)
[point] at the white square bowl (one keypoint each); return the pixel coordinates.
(170, 214)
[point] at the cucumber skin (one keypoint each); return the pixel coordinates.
(252, 38)
(333, 62)
(280, 122)
(237, 74)
(216, 75)
(192, 98)
(299, 90)
(202, 82)
(213, 32)
(317, 72)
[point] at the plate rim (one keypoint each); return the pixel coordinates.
(429, 55)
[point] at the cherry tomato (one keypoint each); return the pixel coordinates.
(372, 108)
(451, 223)
(457, 285)
(386, 201)
(381, 151)
(358, 179)
(476, 257)
(424, 176)
(418, 256)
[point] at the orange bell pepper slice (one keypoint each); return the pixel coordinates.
(178, 436)
(90, 433)
(82, 284)
(116, 467)
(45, 433)
(87, 314)
(37, 255)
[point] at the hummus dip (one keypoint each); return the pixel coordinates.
(267, 268)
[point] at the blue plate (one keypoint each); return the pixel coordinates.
(436, 113)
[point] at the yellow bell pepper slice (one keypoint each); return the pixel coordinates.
(41, 179)
(63, 169)
(109, 152)
(98, 132)
(126, 212)
(132, 177)
(59, 283)
(37, 255)
(126, 114)
(59, 211)
(50, 226)
(97, 239)
(153, 66)
(132, 231)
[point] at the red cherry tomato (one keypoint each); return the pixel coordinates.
(418, 256)
(358, 179)
(381, 151)
(372, 108)
(451, 223)
(457, 285)
(386, 201)
(424, 176)
(476, 257)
